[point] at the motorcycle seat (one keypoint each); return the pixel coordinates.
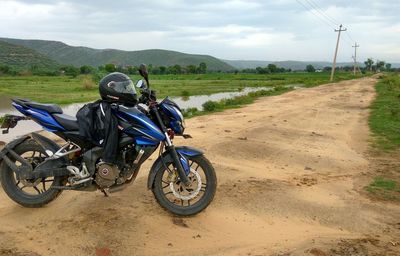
(70, 123)
(50, 108)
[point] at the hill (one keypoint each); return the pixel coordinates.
(20, 57)
(78, 56)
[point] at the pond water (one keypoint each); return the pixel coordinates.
(196, 101)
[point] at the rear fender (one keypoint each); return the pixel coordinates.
(183, 152)
(45, 169)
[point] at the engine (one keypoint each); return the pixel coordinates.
(106, 175)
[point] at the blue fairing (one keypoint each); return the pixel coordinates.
(41, 117)
(189, 151)
(142, 129)
(172, 110)
(185, 152)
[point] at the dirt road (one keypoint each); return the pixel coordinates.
(290, 168)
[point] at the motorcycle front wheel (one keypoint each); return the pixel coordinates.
(182, 200)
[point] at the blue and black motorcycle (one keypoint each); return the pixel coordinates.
(34, 170)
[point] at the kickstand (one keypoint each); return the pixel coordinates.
(106, 193)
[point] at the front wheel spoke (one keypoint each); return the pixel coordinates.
(16, 184)
(166, 186)
(170, 192)
(22, 187)
(44, 185)
(163, 181)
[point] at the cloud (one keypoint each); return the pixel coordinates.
(231, 29)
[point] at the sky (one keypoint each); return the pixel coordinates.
(227, 29)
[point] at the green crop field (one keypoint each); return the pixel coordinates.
(66, 90)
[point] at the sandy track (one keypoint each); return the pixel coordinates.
(289, 170)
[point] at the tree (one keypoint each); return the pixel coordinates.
(110, 68)
(4, 69)
(272, 68)
(388, 66)
(310, 68)
(176, 69)
(202, 68)
(368, 63)
(261, 70)
(163, 70)
(85, 69)
(69, 70)
(379, 65)
(191, 69)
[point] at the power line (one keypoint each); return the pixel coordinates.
(336, 22)
(321, 12)
(315, 14)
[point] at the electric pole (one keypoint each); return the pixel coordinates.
(355, 46)
(337, 46)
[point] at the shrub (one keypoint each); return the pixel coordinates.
(189, 112)
(209, 106)
(88, 83)
(185, 93)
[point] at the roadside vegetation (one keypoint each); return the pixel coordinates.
(384, 122)
(385, 113)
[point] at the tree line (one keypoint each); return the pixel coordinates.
(70, 70)
(73, 71)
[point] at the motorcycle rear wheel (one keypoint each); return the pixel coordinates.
(29, 193)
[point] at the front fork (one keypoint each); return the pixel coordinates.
(170, 148)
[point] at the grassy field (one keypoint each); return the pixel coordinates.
(65, 90)
(384, 122)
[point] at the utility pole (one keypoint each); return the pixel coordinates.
(355, 46)
(337, 46)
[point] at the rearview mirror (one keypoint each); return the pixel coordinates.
(144, 73)
(141, 84)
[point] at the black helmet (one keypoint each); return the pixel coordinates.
(118, 87)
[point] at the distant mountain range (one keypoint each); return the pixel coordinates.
(22, 53)
(294, 65)
(79, 56)
(20, 57)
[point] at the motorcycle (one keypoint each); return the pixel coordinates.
(34, 169)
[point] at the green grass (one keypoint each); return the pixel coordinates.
(66, 90)
(384, 188)
(384, 120)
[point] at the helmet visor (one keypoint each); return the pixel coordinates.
(123, 87)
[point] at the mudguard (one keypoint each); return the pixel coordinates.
(46, 169)
(166, 158)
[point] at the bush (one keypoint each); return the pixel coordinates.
(209, 106)
(189, 112)
(88, 83)
(185, 94)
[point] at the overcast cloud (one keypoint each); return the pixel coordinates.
(236, 29)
